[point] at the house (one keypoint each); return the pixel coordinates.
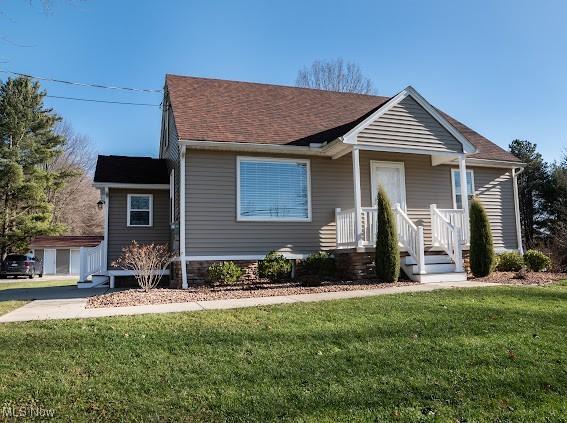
(61, 254)
(245, 168)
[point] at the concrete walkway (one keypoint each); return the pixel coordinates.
(72, 308)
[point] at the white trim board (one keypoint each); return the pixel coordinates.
(351, 136)
(240, 218)
(288, 256)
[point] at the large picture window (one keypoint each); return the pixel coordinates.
(140, 209)
(456, 179)
(273, 189)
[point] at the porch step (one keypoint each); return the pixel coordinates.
(441, 277)
(436, 268)
(430, 259)
(97, 281)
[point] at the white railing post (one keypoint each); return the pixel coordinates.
(421, 251)
(338, 228)
(433, 209)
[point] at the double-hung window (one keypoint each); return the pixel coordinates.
(140, 209)
(456, 182)
(273, 189)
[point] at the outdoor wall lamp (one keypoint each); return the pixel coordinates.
(100, 204)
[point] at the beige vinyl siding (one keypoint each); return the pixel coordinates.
(408, 125)
(495, 189)
(212, 229)
(170, 152)
(120, 235)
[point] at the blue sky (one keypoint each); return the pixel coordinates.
(498, 66)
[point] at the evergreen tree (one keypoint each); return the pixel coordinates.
(27, 143)
(387, 248)
(532, 188)
(481, 249)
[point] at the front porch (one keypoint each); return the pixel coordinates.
(433, 237)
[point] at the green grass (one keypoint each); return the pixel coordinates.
(30, 283)
(488, 354)
(6, 306)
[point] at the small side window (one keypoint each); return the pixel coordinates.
(140, 209)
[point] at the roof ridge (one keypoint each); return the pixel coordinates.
(265, 84)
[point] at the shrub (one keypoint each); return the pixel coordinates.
(387, 249)
(319, 264)
(147, 261)
(225, 273)
(536, 260)
(274, 267)
(509, 262)
(481, 249)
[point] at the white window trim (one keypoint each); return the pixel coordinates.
(240, 218)
(374, 187)
(172, 196)
(151, 197)
(453, 186)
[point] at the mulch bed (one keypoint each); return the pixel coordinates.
(132, 297)
(531, 278)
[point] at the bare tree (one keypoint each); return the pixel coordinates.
(335, 75)
(148, 261)
(74, 200)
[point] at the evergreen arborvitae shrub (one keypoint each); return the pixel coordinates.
(387, 249)
(481, 251)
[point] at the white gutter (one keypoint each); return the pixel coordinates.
(182, 255)
(315, 149)
(119, 185)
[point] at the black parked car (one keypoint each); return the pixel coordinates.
(21, 265)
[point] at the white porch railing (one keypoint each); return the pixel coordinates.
(447, 236)
(346, 227)
(458, 219)
(411, 237)
(92, 261)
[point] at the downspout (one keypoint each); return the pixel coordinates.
(105, 240)
(517, 208)
(182, 255)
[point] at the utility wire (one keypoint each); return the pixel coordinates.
(82, 84)
(103, 101)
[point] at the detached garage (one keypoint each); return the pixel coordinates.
(61, 254)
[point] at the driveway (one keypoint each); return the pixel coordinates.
(49, 293)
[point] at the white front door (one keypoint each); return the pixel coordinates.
(49, 261)
(391, 175)
(75, 263)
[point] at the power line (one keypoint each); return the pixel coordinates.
(103, 101)
(82, 84)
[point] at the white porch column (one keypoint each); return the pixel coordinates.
(464, 191)
(517, 210)
(182, 260)
(357, 196)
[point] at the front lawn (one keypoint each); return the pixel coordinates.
(30, 283)
(486, 354)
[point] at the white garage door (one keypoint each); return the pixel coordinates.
(75, 262)
(49, 262)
